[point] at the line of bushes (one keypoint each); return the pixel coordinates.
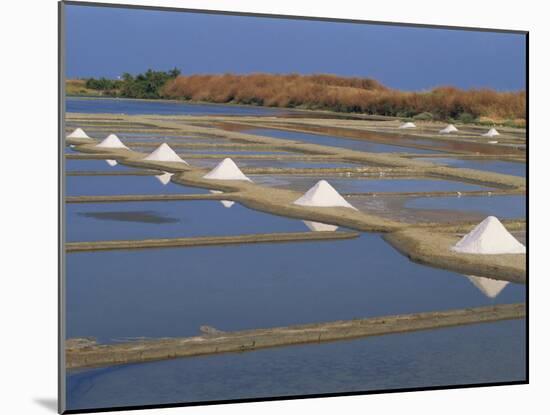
(147, 85)
(321, 91)
(328, 92)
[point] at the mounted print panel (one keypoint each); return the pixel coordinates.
(260, 207)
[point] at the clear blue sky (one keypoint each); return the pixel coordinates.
(108, 41)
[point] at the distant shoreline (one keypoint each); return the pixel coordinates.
(335, 114)
(234, 104)
(321, 93)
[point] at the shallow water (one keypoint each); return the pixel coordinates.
(503, 207)
(122, 185)
(70, 150)
(93, 165)
(482, 353)
(497, 166)
(230, 151)
(397, 138)
(171, 292)
(144, 220)
(280, 164)
(363, 185)
(128, 106)
(335, 141)
(209, 150)
(157, 138)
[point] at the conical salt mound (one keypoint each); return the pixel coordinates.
(491, 133)
(407, 125)
(226, 170)
(164, 153)
(320, 227)
(111, 163)
(112, 141)
(489, 237)
(225, 203)
(78, 133)
(448, 129)
(322, 195)
(488, 286)
(164, 178)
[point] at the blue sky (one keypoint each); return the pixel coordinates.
(110, 41)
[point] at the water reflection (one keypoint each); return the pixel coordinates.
(175, 219)
(93, 165)
(320, 227)
(128, 216)
(488, 286)
(164, 178)
(123, 185)
(175, 291)
(225, 203)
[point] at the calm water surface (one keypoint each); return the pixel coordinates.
(497, 166)
(128, 106)
(174, 291)
(122, 185)
(281, 164)
(93, 165)
(363, 185)
(504, 207)
(171, 292)
(482, 353)
(114, 295)
(143, 220)
(335, 141)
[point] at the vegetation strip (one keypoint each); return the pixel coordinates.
(82, 353)
(207, 241)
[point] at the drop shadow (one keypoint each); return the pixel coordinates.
(48, 403)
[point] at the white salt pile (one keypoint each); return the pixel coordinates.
(489, 237)
(322, 195)
(319, 227)
(448, 129)
(225, 203)
(78, 133)
(407, 125)
(493, 142)
(164, 153)
(491, 133)
(112, 141)
(111, 163)
(164, 178)
(226, 170)
(488, 286)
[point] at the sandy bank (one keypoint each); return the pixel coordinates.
(86, 353)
